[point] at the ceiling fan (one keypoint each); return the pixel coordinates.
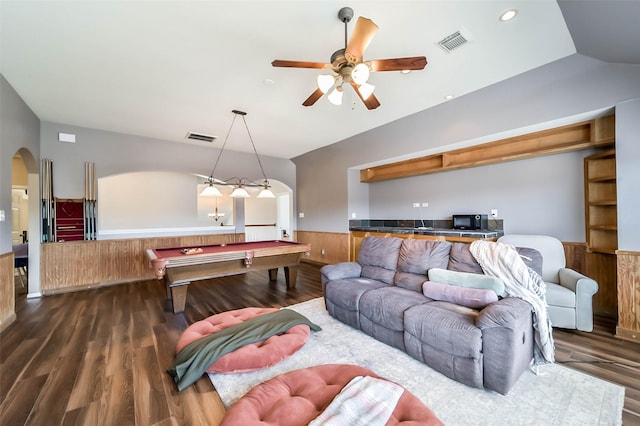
(350, 68)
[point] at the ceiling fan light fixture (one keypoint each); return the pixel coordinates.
(325, 82)
(335, 97)
(366, 90)
(360, 73)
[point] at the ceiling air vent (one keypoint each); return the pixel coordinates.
(454, 41)
(200, 137)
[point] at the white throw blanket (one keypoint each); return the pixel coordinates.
(365, 401)
(503, 261)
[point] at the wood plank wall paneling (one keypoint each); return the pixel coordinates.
(7, 290)
(334, 244)
(628, 295)
(600, 267)
(76, 265)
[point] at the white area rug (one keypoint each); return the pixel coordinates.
(556, 396)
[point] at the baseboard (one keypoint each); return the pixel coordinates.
(630, 335)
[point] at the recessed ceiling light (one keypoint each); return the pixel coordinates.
(405, 71)
(449, 97)
(508, 15)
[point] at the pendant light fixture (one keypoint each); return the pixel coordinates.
(239, 185)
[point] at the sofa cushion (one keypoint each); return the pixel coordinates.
(470, 297)
(416, 258)
(557, 295)
(461, 259)
(346, 293)
(386, 306)
(466, 279)
(448, 327)
(379, 257)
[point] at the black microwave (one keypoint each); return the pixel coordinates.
(470, 221)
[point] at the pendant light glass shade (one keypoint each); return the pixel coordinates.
(325, 82)
(366, 90)
(335, 97)
(211, 191)
(360, 74)
(266, 193)
(239, 192)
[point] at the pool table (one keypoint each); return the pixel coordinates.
(179, 266)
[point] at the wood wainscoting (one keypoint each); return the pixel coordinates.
(600, 267)
(326, 247)
(7, 290)
(628, 295)
(76, 265)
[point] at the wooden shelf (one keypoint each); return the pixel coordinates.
(588, 134)
(601, 212)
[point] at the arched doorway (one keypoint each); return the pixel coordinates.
(25, 218)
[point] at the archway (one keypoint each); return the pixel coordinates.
(26, 179)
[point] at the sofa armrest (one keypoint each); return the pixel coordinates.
(507, 342)
(507, 312)
(584, 288)
(340, 271)
(578, 283)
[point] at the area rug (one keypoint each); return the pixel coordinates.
(555, 396)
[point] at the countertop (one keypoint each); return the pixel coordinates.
(483, 233)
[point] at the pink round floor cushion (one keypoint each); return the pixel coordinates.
(250, 357)
(298, 397)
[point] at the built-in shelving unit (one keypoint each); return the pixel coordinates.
(601, 212)
(595, 133)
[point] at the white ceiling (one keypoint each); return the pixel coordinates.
(163, 68)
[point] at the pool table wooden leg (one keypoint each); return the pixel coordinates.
(179, 297)
(290, 275)
(273, 274)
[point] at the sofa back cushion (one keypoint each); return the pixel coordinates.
(461, 259)
(379, 258)
(416, 258)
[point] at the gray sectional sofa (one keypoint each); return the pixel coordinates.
(451, 329)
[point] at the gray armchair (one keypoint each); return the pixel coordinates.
(569, 293)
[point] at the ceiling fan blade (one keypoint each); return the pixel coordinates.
(399, 64)
(362, 35)
(313, 98)
(371, 102)
(299, 64)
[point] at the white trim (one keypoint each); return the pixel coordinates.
(34, 295)
(113, 234)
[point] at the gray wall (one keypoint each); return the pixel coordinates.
(565, 91)
(19, 129)
(116, 153)
(628, 174)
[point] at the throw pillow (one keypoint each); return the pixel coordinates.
(466, 279)
(470, 297)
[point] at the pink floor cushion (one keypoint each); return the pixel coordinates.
(250, 357)
(298, 397)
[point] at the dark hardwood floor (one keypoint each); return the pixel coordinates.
(98, 357)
